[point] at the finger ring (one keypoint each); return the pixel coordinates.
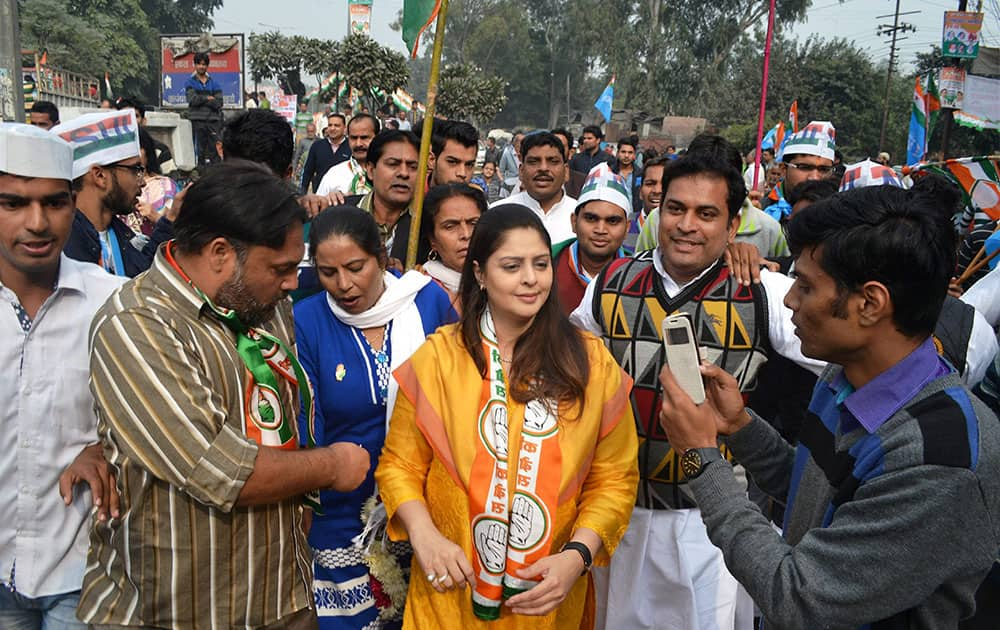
(443, 578)
(431, 577)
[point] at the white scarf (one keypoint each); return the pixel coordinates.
(398, 306)
(445, 275)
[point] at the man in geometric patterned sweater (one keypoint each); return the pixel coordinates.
(666, 573)
(893, 493)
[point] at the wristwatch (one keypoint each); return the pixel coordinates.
(584, 552)
(695, 460)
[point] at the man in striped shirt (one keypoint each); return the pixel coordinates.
(198, 392)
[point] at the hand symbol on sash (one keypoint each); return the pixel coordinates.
(520, 521)
(493, 545)
(500, 431)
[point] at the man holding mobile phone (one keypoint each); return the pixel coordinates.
(894, 491)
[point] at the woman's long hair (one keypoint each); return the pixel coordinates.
(550, 359)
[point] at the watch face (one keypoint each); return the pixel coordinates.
(691, 463)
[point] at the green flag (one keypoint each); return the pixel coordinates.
(417, 16)
(933, 103)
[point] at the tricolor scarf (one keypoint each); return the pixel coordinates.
(509, 535)
(269, 420)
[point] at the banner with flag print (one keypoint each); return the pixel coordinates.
(418, 15)
(979, 179)
(605, 100)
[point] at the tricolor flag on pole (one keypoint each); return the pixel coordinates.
(916, 142)
(793, 117)
(605, 100)
(418, 15)
(107, 86)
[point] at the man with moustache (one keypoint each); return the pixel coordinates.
(392, 170)
(107, 179)
(543, 172)
(666, 573)
(198, 394)
(350, 177)
(600, 222)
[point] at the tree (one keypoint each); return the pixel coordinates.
(273, 55)
(115, 36)
(466, 93)
(181, 16)
(371, 68)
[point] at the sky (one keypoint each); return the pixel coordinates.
(855, 20)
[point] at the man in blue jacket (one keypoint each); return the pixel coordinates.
(107, 178)
(204, 97)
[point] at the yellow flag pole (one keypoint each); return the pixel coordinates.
(425, 139)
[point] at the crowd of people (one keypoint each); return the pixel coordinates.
(232, 406)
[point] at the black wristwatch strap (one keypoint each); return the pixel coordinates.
(584, 552)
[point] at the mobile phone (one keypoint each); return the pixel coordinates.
(682, 355)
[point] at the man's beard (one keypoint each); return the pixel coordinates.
(117, 201)
(234, 294)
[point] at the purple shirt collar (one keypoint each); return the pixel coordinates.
(886, 394)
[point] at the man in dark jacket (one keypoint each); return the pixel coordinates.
(325, 155)
(204, 97)
(590, 153)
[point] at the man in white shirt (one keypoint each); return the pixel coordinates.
(350, 177)
(543, 173)
(48, 440)
(666, 573)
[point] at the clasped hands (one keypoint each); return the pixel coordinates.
(446, 566)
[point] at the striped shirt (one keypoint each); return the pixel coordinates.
(168, 384)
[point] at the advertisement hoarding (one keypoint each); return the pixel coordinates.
(359, 15)
(961, 34)
(226, 63)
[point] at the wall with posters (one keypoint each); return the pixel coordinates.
(225, 66)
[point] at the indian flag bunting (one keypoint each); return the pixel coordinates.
(418, 15)
(974, 122)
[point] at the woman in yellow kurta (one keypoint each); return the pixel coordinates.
(510, 463)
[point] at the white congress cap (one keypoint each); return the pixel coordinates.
(102, 138)
(31, 151)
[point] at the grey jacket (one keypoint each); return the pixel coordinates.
(904, 548)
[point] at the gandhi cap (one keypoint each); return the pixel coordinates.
(102, 138)
(604, 185)
(817, 138)
(31, 151)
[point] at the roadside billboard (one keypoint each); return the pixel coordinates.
(226, 64)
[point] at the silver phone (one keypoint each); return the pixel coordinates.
(682, 355)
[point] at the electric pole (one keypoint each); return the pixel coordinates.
(894, 30)
(11, 80)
